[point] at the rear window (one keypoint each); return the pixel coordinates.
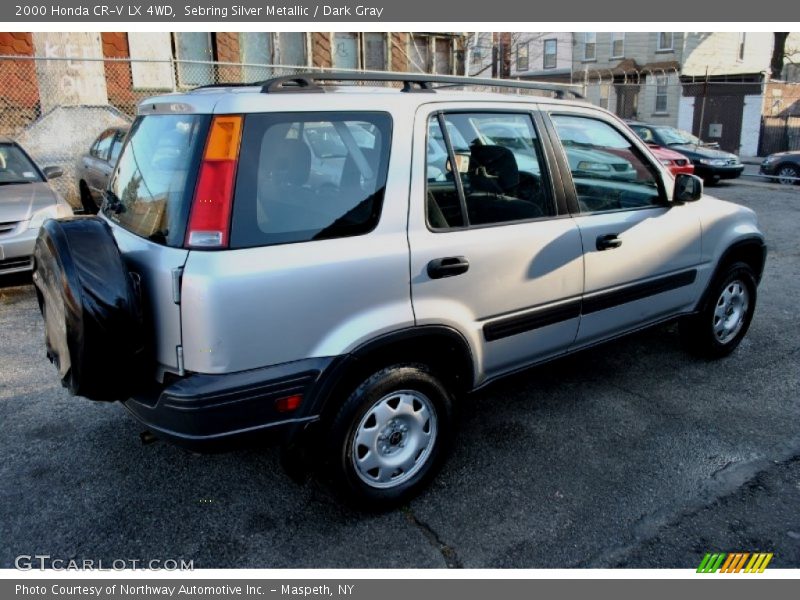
(309, 176)
(152, 188)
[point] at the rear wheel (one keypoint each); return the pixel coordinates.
(91, 308)
(390, 436)
(788, 175)
(723, 321)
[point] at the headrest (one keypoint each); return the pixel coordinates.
(289, 162)
(493, 168)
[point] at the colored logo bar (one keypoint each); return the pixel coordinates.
(734, 562)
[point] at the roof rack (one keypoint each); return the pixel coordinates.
(412, 82)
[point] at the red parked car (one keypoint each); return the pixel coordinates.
(674, 161)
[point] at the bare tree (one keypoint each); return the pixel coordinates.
(778, 54)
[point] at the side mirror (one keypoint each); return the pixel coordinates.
(688, 188)
(52, 172)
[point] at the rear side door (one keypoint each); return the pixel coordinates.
(97, 169)
(641, 252)
(494, 253)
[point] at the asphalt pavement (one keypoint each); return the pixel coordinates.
(632, 454)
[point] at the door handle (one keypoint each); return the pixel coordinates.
(609, 240)
(439, 268)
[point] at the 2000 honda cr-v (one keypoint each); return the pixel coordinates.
(296, 258)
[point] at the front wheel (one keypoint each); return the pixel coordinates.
(723, 321)
(788, 175)
(390, 436)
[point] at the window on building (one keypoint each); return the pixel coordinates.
(522, 57)
(617, 45)
(742, 39)
(344, 50)
(256, 48)
(665, 41)
(661, 94)
(193, 51)
(374, 45)
(291, 48)
(443, 57)
(589, 46)
(604, 89)
(151, 56)
(419, 55)
(550, 54)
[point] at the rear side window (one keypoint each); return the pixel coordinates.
(152, 188)
(309, 176)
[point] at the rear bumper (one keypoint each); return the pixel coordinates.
(209, 412)
(16, 250)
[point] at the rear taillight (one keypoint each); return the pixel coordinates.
(210, 216)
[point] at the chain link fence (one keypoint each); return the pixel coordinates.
(56, 107)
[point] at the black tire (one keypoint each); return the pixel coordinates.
(87, 202)
(790, 172)
(711, 180)
(705, 333)
(407, 383)
(91, 309)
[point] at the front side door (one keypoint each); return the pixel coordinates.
(641, 252)
(494, 253)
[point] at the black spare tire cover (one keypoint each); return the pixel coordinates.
(91, 309)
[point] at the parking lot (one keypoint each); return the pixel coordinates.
(631, 454)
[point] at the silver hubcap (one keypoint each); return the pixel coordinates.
(787, 176)
(730, 312)
(394, 439)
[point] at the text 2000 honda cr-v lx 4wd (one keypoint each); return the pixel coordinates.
(333, 264)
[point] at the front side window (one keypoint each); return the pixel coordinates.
(151, 191)
(609, 173)
(589, 46)
(484, 168)
(309, 176)
(103, 145)
(550, 51)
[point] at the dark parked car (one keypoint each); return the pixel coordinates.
(709, 163)
(783, 165)
(95, 167)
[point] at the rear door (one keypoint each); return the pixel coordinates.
(147, 205)
(641, 252)
(494, 253)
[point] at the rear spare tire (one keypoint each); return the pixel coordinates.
(91, 309)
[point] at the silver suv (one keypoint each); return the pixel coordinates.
(334, 265)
